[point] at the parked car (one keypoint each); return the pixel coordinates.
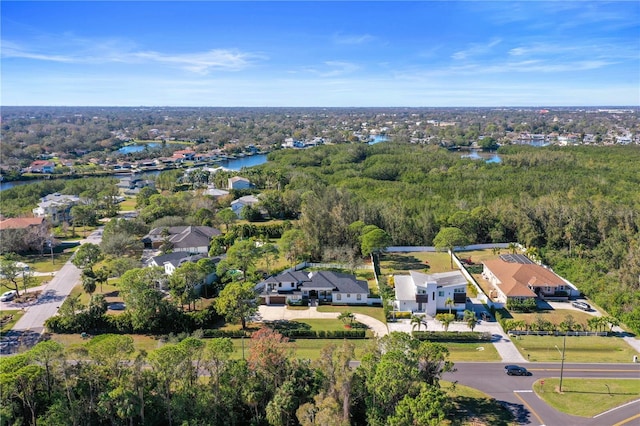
(7, 296)
(581, 305)
(515, 370)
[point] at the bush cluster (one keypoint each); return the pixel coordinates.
(452, 336)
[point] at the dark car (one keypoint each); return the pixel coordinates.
(514, 370)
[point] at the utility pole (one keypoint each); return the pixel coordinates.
(564, 347)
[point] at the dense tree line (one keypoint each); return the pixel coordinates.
(578, 207)
(193, 381)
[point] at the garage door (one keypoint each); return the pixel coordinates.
(277, 300)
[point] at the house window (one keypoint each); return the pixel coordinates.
(338, 296)
(279, 284)
(441, 294)
(348, 296)
(359, 297)
(459, 290)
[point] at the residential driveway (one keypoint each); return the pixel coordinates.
(28, 329)
(503, 344)
(275, 313)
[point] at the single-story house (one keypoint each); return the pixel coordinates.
(189, 239)
(429, 293)
(242, 202)
(56, 207)
(18, 234)
(322, 286)
(215, 192)
(515, 276)
(239, 182)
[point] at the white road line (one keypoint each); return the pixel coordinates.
(614, 409)
(524, 391)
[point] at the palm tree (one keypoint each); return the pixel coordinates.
(470, 318)
(449, 303)
(418, 321)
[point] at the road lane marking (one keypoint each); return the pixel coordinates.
(615, 408)
(584, 370)
(524, 391)
(625, 421)
(529, 408)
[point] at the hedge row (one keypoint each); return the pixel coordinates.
(452, 336)
(323, 334)
(223, 333)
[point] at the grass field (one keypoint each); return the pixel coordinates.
(475, 408)
(398, 263)
(587, 397)
(555, 316)
(579, 349)
(128, 204)
(9, 324)
(148, 343)
(373, 312)
(304, 348)
(470, 352)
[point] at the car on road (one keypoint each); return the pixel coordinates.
(516, 370)
(581, 305)
(7, 296)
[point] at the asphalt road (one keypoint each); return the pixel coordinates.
(27, 331)
(515, 392)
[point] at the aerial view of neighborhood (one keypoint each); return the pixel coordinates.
(297, 253)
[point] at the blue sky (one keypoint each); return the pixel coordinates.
(437, 53)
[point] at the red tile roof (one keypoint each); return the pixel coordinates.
(20, 222)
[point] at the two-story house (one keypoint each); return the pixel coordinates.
(430, 293)
(56, 207)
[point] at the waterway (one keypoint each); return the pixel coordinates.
(378, 138)
(488, 157)
(234, 164)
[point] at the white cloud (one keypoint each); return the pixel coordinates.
(340, 38)
(101, 53)
(476, 49)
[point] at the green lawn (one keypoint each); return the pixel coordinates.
(471, 352)
(587, 397)
(303, 348)
(579, 349)
(555, 316)
(398, 263)
(374, 312)
(128, 204)
(148, 343)
(8, 325)
(43, 263)
(475, 408)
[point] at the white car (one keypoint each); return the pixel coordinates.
(9, 295)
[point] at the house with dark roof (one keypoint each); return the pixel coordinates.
(429, 293)
(515, 276)
(317, 286)
(189, 239)
(56, 207)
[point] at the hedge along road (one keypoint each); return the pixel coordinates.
(29, 328)
(276, 313)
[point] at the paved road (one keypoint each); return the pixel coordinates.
(517, 395)
(28, 329)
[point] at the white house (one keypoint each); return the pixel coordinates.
(56, 207)
(189, 239)
(321, 286)
(428, 293)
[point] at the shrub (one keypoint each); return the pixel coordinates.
(452, 336)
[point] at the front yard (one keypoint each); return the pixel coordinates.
(579, 349)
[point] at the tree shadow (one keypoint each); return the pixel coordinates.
(280, 325)
(403, 263)
(487, 412)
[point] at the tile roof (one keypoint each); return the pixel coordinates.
(517, 278)
(20, 222)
